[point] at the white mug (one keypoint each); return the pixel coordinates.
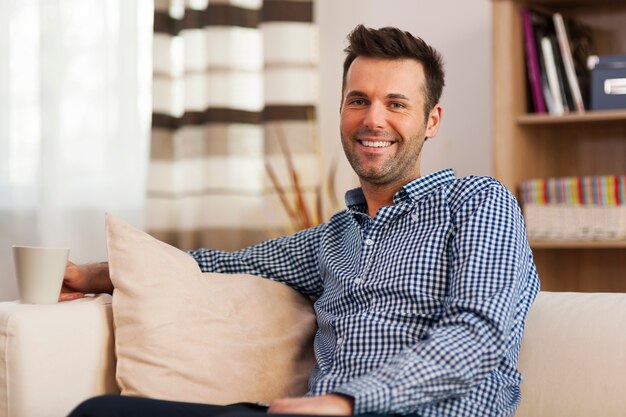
(39, 273)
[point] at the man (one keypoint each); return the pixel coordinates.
(421, 285)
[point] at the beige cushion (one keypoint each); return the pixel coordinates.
(184, 335)
(54, 356)
(573, 356)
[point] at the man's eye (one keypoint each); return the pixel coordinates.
(358, 102)
(397, 105)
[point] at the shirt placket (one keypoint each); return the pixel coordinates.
(373, 234)
(367, 250)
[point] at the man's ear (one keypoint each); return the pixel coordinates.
(434, 118)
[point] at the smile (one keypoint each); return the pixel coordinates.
(375, 144)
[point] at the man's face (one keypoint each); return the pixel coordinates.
(382, 124)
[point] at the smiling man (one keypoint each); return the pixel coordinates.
(421, 285)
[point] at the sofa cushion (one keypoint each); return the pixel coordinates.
(184, 335)
(573, 356)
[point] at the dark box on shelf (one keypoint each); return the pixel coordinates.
(608, 82)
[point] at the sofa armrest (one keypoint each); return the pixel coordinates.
(573, 356)
(54, 356)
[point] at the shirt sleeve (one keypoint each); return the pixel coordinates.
(492, 282)
(292, 260)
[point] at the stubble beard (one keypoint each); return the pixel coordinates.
(394, 168)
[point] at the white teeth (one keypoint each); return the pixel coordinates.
(378, 144)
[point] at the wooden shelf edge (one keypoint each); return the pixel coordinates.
(576, 244)
(574, 2)
(586, 117)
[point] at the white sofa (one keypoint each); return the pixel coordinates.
(573, 356)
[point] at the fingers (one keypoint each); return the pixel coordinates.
(69, 296)
(72, 280)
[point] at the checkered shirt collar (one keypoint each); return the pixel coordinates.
(411, 192)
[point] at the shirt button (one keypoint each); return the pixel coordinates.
(369, 242)
(358, 280)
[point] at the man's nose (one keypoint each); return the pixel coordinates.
(374, 117)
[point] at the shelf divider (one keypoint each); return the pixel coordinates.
(586, 117)
(577, 244)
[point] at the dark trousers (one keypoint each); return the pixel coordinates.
(122, 406)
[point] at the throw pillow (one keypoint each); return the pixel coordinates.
(184, 335)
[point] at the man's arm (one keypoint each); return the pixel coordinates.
(491, 285)
(290, 259)
(329, 404)
(293, 260)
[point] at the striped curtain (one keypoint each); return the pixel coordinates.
(234, 81)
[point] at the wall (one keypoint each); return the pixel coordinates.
(461, 31)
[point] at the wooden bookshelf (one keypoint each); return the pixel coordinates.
(529, 146)
(587, 117)
(577, 244)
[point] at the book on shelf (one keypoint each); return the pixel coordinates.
(582, 46)
(556, 50)
(532, 63)
(558, 106)
(584, 208)
(537, 75)
(564, 87)
(568, 61)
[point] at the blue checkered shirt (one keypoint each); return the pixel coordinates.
(421, 309)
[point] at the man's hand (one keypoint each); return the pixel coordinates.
(329, 404)
(73, 282)
(85, 279)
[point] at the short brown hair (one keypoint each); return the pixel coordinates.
(392, 43)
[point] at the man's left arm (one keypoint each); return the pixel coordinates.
(492, 283)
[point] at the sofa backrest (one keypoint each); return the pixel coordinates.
(573, 356)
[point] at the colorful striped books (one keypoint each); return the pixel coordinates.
(586, 208)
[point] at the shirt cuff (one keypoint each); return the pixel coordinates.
(370, 395)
